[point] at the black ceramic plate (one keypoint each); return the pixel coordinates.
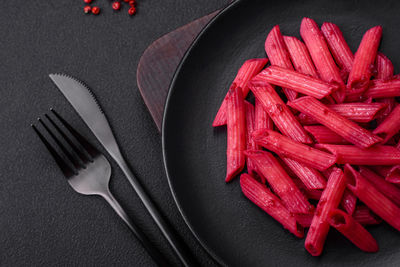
(232, 229)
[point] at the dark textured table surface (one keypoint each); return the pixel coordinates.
(43, 222)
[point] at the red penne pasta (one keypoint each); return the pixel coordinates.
(309, 193)
(280, 182)
(300, 57)
(236, 144)
(349, 201)
(329, 201)
(358, 112)
(310, 177)
(250, 128)
(338, 46)
(376, 155)
(322, 58)
(383, 88)
(323, 135)
(304, 219)
(364, 60)
(286, 147)
(390, 105)
(296, 81)
(389, 190)
(262, 119)
(390, 126)
(391, 173)
(247, 71)
(384, 67)
(372, 197)
(278, 55)
(349, 130)
(353, 230)
(279, 112)
(365, 216)
(260, 195)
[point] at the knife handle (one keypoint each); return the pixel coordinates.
(176, 243)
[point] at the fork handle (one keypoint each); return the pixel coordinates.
(154, 253)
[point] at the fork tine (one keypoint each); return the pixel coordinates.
(77, 150)
(73, 159)
(84, 143)
(65, 168)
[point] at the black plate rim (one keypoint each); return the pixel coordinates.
(163, 127)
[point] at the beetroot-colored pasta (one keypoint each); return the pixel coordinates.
(278, 55)
(323, 135)
(296, 81)
(260, 195)
(363, 64)
(322, 58)
(390, 126)
(338, 46)
(286, 147)
(348, 202)
(353, 230)
(383, 88)
(390, 105)
(310, 177)
(391, 173)
(365, 216)
(372, 197)
(279, 112)
(384, 67)
(309, 193)
(389, 190)
(250, 128)
(262, 119)
(349, 130)
(304, 219)
(300, 56)
(247, 71)
(236, 144)
(376, 155)
(329, 201)
(280, 182)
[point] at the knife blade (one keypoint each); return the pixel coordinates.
(86, 105)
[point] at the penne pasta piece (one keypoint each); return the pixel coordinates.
(304, 219)
(236, 143)
(300, 57)
(383, 88)
(391, 173)
(280, 182)
(262, 119)
(364, 59)
(310, 177)
(384, 67)
(376, 155)
(278, 55)
(389, 190)
(349, 201)
(338, 47)
(349, 130)
(329, 201)
(322, 58)
(365, 216)
(323, 135)
(309, 193)
(247, 71)
(279, 112)
(390, 126)
(286, 147)
(250, 144)
(353, 230)
(372, 197)
(390, 105)
(296, 81)
(260, 195)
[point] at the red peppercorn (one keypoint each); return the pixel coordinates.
(87, 9)
(132, 11)
(87, 1)
(132, 2)
(116, 5)
(95, 10)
